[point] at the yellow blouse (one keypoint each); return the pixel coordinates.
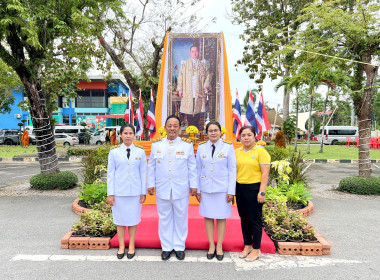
(248, 164)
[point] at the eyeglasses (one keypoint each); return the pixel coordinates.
(213, 131)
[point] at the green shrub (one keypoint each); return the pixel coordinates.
(277, 153)
(359, 185)
(63, 180)
(77, 152)
(298, 167)
(92, 159)
(93, 193)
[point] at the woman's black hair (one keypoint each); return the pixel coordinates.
(173, 117)
(213, 123)
(125, 126)
(251, 128)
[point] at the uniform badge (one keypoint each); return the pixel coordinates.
(158, 152)
(138, 158)
(204, 166)
(204, 156)
(221, 155)
(158, 161)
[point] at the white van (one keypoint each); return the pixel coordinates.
(338, 133)
(96, 137)
(68, 129)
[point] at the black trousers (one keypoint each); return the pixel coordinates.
(250, 212)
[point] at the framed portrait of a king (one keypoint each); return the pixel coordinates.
(194, 77)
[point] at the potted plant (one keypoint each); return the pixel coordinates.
(309, 233)
(295, 235)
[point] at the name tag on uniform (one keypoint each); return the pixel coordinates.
(204, 156)
(180, 154)
(158, 155)
(203, 176)
(138, 158)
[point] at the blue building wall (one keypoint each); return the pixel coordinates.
(9, 121)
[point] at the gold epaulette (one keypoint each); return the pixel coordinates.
(228, 142)
(186, 139)
(115, 146)
(157, 139)
(202, 143)
(138, 146)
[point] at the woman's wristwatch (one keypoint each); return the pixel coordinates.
(262, 193)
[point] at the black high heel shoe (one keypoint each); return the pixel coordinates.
(211, 256)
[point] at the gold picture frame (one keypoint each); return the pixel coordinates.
(209, 48)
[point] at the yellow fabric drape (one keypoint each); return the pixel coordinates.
(227, 98)
(160, 90)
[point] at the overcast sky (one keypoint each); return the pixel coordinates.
(239, 79)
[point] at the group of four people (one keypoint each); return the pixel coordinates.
(215, 176)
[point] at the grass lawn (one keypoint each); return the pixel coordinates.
(11, 151)
(335, 152)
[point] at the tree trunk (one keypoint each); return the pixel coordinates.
(295, 137)
(131, 81)
(45, 141)
(286, 99)
(323, 122)
(309, 122)
(364, 119)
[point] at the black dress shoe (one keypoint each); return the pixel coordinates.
(220, 257)
(180, 255)
(120, 256)
(211, 256)
(165, 255)
(130, 256)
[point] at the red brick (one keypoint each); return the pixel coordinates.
(65, 240)
(99, 243)
(325, 245)
(311, 249)
(79, 242)
(289, 248)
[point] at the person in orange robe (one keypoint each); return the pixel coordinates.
(113, 137)
(25, 138)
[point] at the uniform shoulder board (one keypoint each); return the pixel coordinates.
(138, 146)
(114, 147)
(157, 139)
(228, 142)
(202, 143)
(186, 140)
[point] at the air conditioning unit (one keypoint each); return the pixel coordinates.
(18, 116)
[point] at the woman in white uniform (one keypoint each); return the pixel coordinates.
(216, 171)
(126, 187)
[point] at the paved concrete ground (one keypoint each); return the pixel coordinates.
(12, 173)
(31, 227)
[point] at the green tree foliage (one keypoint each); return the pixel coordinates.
(351, 30)
(8, 81)
(269, 25)
(49, 44)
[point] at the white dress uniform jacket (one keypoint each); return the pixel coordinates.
(217, 173)
(172, 168)
(126, 177)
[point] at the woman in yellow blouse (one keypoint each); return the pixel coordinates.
(253, 164)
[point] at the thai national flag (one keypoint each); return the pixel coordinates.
(140, 117)
(236, 115)
(128, 114)
(250, 118)
(262, 118)
(151, 119)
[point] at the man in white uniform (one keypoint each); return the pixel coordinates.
(172, 172)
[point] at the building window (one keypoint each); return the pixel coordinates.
(91, 99)
(65, 119)
(73, 120)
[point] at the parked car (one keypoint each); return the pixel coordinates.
(66, 139)
(334, 134)
(11, 137)
(96, 137)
